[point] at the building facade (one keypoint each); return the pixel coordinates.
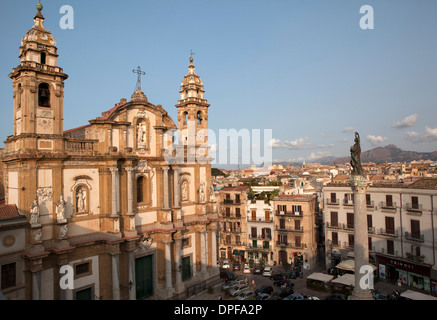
(130, 212)
(260, 229)
(295, 231)
(401, 223)
(233, 225)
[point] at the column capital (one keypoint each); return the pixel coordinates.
(359, 183)
(113, 170)
(130, 169)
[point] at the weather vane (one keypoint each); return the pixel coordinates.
(140, 73)
(192, 54)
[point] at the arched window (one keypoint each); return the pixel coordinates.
(44, 95)
(185, 118)
(19, 96)
(43, 58)
(199, 117)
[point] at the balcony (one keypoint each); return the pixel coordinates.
(332, 202)
(340, 226)
(348, 203)
(415, 258)
(417, 237)
(229, 201)
(80, 146)
(388, 206)
(388, 232)
(290, 245)
(289, 229)
(415, 209)
(289, 213)
(370, 205)
(250, 219)
(260, 237)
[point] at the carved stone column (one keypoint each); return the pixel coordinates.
(130, 191)
(178, 262)
(114, 172)
(165, 184)
(115, 277)
(168, 271)
(177, 187)
(203, 253)
(359, 185)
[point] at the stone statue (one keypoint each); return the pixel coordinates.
(63, 231)
(34, 212)
(202, 192)
(81, 200)
(357, 169)
(60, 209)
(211, 194)
(184, 191)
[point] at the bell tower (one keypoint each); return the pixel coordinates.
(192, 110)
(38, 93)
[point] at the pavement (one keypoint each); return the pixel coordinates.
(381, 286)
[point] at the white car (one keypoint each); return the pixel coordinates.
(226, 264)
(238, 289)
(246, 269)
(268, 271)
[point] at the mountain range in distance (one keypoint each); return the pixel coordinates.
(379, 155)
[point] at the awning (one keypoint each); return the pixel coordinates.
(320, 277)
(346, 279)
(413, 295)
(349, 265)
(238, 252)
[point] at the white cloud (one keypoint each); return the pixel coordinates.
(298, 144)
(318, 155)
(376, 140)
(430, 134)
(406, 123)
(348, 129)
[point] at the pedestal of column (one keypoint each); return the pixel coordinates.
(362, 289)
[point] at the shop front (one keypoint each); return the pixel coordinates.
(403, 272)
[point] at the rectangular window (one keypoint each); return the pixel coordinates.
(253, 233)
(415, 202)
(228, 212)
(390, 225)
(9, 275)
(350, 220)
(297, 210)
(389, 200)
(334, 219)
(237, 212)
(334, 236)
(351, 240)
(253, 213)
(281, 223)
(333, 197)
(82, 269)
(368, 200)
(369, 221)
(390, 247)
(267, 215)
(297, 242)
(237, 198)
(297, 224)
(415, 229)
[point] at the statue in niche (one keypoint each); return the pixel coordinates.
(202, 192)
(81, 200)
(34, 212)
(355, 162)
(184, 191)
(60, 209)
(141, 134)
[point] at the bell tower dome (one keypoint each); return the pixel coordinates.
(38, 92)
(192, 109)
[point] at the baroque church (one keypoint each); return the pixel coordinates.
(107, 215)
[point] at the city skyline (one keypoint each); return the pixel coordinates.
(308, 72)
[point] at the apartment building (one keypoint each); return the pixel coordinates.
(295, 230)
(402, 229)
(260, 227)
(233, 225)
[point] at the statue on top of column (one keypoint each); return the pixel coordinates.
(357, 169)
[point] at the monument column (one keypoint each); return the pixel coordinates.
(114, 172)
(165, 193)
(359, 184)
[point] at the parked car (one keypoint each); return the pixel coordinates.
(283, 292)
(268, 271)
(246, 295)
(258, 269)
(266, 289)
(246, 269)
(294, 296)
(226, 265)
(278, 276)
(311, 298)
(236, 267)
(241, 279)
(282, 282)
(336, 296)
(238, 289)
(262, 296)
(229, 285)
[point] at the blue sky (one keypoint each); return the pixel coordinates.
(304, 69)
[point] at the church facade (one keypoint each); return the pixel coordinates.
(105, 206)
